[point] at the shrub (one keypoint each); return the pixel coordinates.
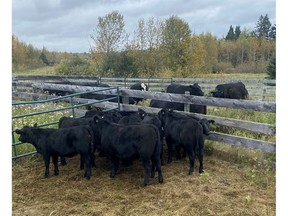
(75, 66)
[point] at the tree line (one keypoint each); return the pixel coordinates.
(158, 48)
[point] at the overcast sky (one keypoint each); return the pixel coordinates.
(65, 25)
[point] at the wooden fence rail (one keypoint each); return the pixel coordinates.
(187, 99)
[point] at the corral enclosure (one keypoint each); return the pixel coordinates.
(181, 194)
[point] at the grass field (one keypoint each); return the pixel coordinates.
(50, 70)
(236, 181)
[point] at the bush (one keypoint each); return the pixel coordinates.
(75, 66)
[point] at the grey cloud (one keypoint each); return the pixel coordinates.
(61, 23)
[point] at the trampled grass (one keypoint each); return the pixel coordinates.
(226, 188)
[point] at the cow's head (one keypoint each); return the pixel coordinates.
(142, 113)
(26, 134)
(144, 87)
(163, 114)
(195, 89)
(205, 125)
(219, 91)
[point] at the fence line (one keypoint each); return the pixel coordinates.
(187, 99)
(262, 106)
(226, 138)
(261, 88)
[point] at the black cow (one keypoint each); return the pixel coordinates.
(67, 122)
(129, 142)
(112, 115)
(60, 142)
(183, 132)
(231, 90)
(141, 87)
(181, 89)
(151, 118)
(136, 86)
(130, 119)
(203, 121)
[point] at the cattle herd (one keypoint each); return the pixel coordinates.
(125, 136)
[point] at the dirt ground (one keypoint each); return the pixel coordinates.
(226, 188)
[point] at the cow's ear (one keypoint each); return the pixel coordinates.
(35, 125)
(18, 131)
(97, 118)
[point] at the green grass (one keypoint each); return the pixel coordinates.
(48, 70)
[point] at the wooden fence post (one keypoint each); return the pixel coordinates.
(125, 99)
(187, 106)
(264, 93)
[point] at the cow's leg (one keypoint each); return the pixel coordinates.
(81, 162)
(153, 167)
(87, 162)
(191, 155)
(177, 150)
(93, 164)
(114, 166)
(147, 166)
(47, 162)
(63, 161)
(157, 164)
(200, 158)
(200, 154)
(183, 153)
(170, 151)
(55, 162)
(161, 155)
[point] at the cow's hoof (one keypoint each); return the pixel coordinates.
(190, 172)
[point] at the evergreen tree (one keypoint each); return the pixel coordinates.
(43, 58)
(237, 32)
(272, 32)
(230, 35)
(271, 68)
(263, 26)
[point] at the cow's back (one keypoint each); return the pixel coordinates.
(181, 89)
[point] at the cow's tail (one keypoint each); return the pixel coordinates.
(199, 140)
(158, 147)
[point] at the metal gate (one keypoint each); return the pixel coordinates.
(17, 152)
